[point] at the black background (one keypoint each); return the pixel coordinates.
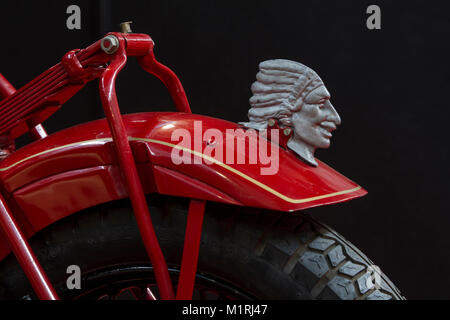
(390, 87)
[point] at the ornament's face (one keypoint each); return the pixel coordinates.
(316, 119)
(295, 96)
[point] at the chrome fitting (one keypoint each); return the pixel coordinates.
(126, 27)
(109, 44)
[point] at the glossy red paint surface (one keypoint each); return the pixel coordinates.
(76, 190)
(189, 187)
(87, 153)
(170, 80)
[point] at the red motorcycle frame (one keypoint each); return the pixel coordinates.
(128, 156)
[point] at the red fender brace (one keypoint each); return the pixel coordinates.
(26, 108)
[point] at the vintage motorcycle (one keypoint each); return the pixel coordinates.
(107, 198)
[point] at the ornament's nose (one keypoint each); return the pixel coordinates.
(334, 116)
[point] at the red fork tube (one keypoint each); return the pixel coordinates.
(189, 260)
(24, 255)
(128, 166)
(168, 77)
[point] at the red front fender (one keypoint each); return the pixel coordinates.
(76, 168)
(294, 185)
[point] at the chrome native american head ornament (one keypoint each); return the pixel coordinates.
(295, 96)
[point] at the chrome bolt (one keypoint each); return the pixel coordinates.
(109, 44)
(126, 27)
(271, 122)
(287, 131)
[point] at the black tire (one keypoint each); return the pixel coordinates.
(253, 252)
